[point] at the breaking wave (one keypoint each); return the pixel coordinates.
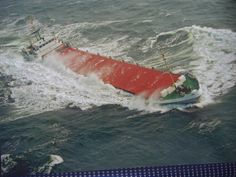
(210, 54)
(7, 164)
(43, 86)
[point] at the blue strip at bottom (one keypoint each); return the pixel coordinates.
(199, 170)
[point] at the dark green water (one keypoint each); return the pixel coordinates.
(108, 128)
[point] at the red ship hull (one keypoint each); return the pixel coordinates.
(125, 76)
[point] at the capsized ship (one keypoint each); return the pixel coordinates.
(166, 87)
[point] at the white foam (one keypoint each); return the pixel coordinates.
(7, 163)
(216, 68)
(205, 126)
(54, 160)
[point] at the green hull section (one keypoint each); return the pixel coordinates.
(187, 90)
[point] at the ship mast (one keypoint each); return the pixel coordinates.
(166, 65)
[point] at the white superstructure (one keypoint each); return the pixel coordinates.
(41, 46)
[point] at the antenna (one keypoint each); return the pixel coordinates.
(160, 49)
(166, 65)
(165, 61)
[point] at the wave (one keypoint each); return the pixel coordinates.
(47, 167)
(12, 165)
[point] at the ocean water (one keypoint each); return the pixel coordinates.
(52, 120)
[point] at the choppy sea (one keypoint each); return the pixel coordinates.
(52, 120)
